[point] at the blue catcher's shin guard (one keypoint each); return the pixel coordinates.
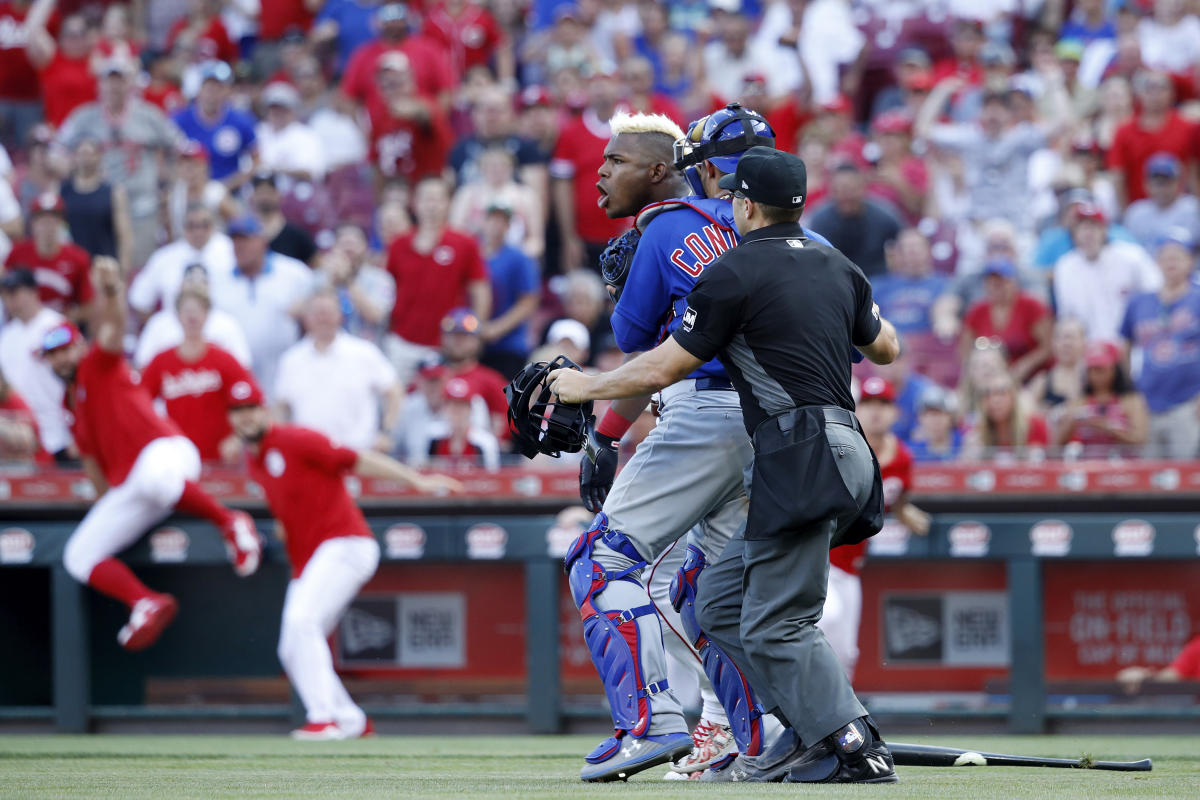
(732, 689)
(612, 635)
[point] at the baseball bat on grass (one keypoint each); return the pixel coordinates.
(922, 755)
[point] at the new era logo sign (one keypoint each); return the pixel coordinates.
(689, 319)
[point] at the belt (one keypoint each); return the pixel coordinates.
(714, 384)
(835, 415)
(690, 385)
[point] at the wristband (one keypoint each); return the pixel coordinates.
(613, 425)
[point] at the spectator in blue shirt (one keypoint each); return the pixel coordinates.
(908, 292)
(1163, 331)
(226, 132)
(1088, 22)
(937, 436)
(350, 22)
(1055, 242)
(516, 291)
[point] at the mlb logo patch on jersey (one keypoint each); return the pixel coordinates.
(689, 319)
(795, 243)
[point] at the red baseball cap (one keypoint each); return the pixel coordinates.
(533, 96)
(1102, 354)
(48, 203)
(892, 122)
(838, 105)
(457, 389)
(1091, 212)
(876, 388)
(193, 149)
(60, 336)
(243, 392)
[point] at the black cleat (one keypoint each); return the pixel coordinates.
(853, 754)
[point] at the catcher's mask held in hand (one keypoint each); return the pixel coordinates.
(539, 422)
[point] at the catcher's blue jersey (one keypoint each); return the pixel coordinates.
(683, 238)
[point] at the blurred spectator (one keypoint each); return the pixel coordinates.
(27, 321)
(730, 58)
(158, 283)
(585, 299)
(578, 208)
(457, 441)
(18, 426)
(286, 145)
(392, 221)
(97, 212)
(194, 185)
(64, 66)
(472, 36)
(12, 224)
(1089, 20)
(637, 74)
(1021, 322)
(366, 291)
(1163, 329)
(516, 292)
(134, 138)
(193, 381)
(20, 92)
(203, 30)
(538, 125)
(494, 125)
(343, 141)
(164, 330)
(60, 267)
(1111, 417)
(264, 294)
(1005, 427)
(1058, 240)
(1094, 281)
(1170, 38)
(936, 436)
(898, 177)
(436, 269)
(423, 412)
(1157, 128)
(910, 291)
(283, 236)
(227, 133)
(859, 226)
(995, 153)
(1063, 381)
(495, 184)
(910, 386)
(460, 351)
(40, 174)
(913, 79)
(336, 383)
(433, 74)
(409, 133)
(277, 20)
(1116, 107)
(1166, 205)
(987, 360)
(568, 337)
(962, 67)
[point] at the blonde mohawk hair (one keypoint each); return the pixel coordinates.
(623, 122)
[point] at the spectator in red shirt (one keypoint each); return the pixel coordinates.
(1005, 428)
(469, 31)
(430, 61)
(436, 269)
(18, 428)
(1111, 418)
(578, 206)
(20, 91)
(203, 29)
(967, 42)
(278, 19)
(64, 67)
(461, 348)
(193, 380)
(410, 136)
(1158, 128)
(455, 441)
(898, 177)
(1185, 667)
(1019, 320)
(61, 268)
(329, 544)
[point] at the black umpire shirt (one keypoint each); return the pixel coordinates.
(781, 312)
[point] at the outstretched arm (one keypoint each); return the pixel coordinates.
(372, 464)
(110, 303)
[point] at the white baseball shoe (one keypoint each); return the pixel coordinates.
(243, 543)
(710, 744)
(319, 732)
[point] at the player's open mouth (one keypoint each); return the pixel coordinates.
(602, 201)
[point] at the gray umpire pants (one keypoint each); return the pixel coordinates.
(763, 598)
(687, 472)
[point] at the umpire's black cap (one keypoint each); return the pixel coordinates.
(769, 176)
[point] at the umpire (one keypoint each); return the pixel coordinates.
(782, 313)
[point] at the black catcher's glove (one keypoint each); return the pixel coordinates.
(598, 469)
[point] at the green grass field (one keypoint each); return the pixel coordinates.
(526, 766)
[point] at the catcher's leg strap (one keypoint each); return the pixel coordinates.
(612, 634)
(741, 705)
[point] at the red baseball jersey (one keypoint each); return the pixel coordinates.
(897, 478)
(67, 83)
(302, 475)
(401, 147)
(1133, 145)
(488, 384)
(111, 414)
(463, 454)
(472, 37)
(578, 155)
(430, 285)
(63, 277)
(429, 61)
(194, 394)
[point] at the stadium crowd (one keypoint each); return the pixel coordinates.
(385, 209)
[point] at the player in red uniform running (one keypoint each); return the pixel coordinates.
(329, 545)
(142, 466)
(876, 413)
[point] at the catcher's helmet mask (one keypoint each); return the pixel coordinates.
(538, 420)
(703, 140)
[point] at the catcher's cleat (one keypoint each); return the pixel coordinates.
(710, 744)
(635, 755)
